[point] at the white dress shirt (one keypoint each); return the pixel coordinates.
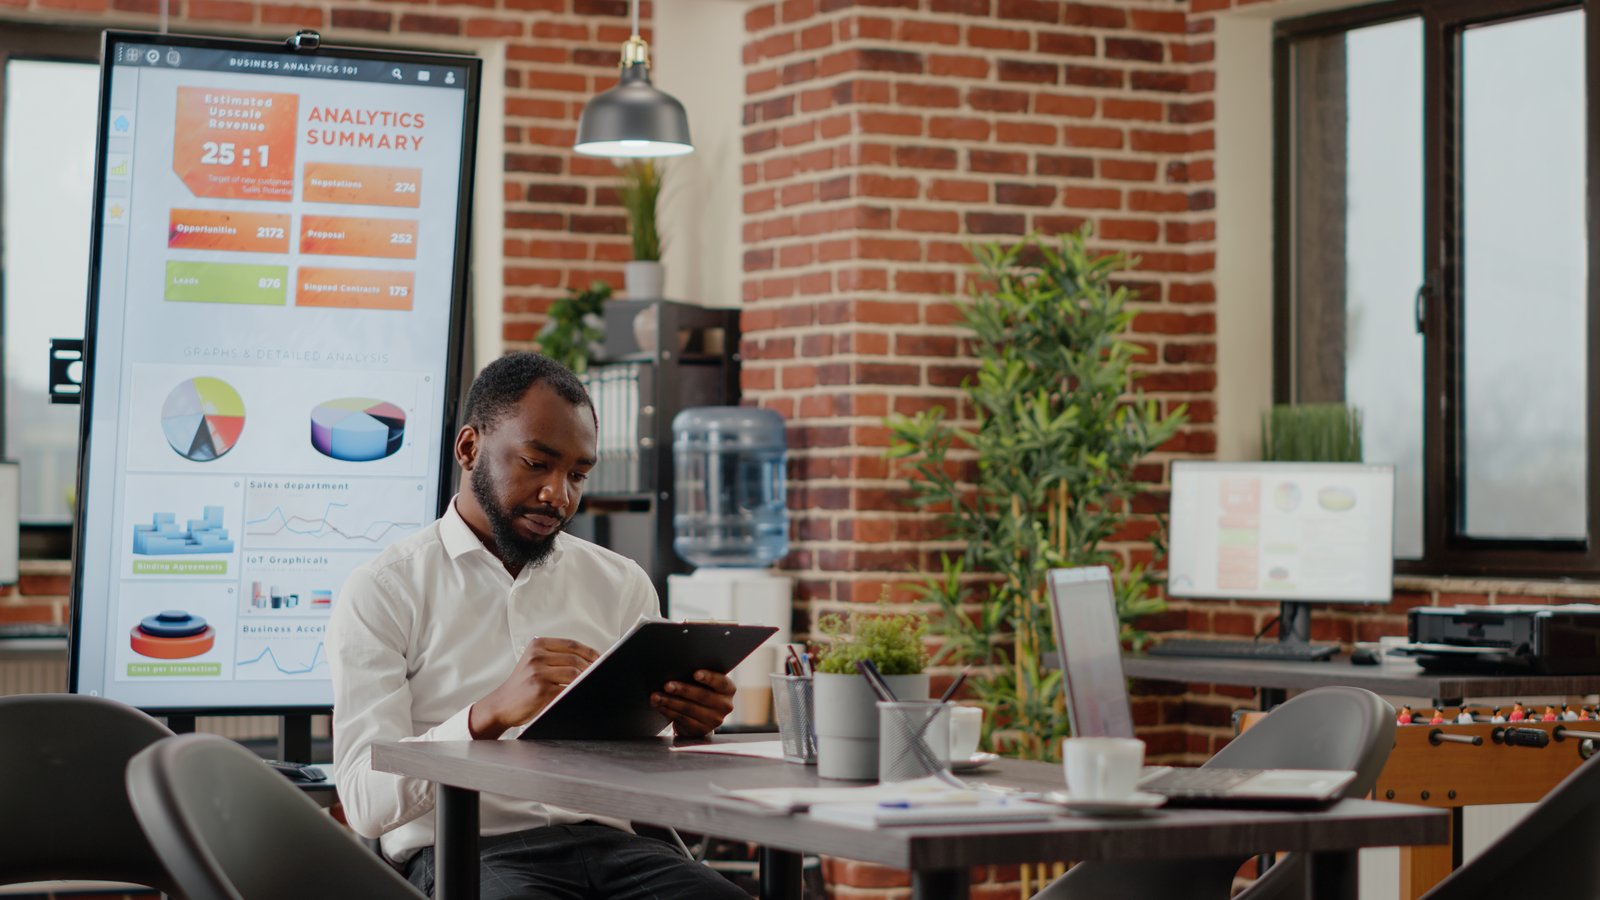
(432, 626)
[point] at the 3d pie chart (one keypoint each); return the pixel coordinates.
(357, 429)
(172, 634)
(202, 418)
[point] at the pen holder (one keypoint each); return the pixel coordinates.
(913, 739)
(792, 704)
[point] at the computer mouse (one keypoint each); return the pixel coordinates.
(1363, 656)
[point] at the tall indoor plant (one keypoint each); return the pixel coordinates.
(1058, 429)
(640, 191)
(846, 708)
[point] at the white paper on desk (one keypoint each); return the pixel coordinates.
(927, 790)
(758, 749)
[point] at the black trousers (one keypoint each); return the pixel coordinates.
(584, 861)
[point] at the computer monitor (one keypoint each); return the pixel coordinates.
(1089, 638)
(1293, 532)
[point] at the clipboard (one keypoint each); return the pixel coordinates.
(610, 700)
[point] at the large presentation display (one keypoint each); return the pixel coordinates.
(275, 326)
(1282, 531)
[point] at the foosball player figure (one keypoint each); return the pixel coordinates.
(1518, 714)
(1549, 715)
(1497, 717)
(1438, 717)
(1405, 716)
(1464, 717)
(1568, 713)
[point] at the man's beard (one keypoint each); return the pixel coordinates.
(516, 551)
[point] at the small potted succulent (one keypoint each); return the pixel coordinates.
(846, 707)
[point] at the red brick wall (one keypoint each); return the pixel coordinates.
(883, 136)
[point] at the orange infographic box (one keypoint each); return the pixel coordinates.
(217, 229)
(344, 236)
(235, 144)
(365, 185)
(354, 289)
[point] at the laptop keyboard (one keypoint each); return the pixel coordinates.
(1198, 782)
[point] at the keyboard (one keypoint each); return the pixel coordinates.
(1198, 782)
(1244, 650)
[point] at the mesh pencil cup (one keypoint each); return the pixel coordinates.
(792, 705)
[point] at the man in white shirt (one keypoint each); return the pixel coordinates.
(467, 629)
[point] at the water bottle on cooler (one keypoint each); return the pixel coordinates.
(729, 506)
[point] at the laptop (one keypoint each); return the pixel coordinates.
(1088, 635)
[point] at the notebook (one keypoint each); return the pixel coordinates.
(1084, 609)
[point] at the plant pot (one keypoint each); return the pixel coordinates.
(642, 278)
(847, 722)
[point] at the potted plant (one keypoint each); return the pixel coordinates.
(1311, 432)
(1057, 429)
(573, 330)
(846, 708)
(641, 188)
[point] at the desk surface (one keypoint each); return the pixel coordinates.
(1394, 681)
(643, 780)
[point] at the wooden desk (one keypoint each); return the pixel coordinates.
(644, 780)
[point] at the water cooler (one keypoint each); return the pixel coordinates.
(731, 522)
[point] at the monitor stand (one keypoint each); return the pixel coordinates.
(1294, 623)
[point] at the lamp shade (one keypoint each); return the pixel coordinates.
(634, 119)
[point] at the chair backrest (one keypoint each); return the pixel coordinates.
(1324, 728)
(64, 811)
(1556, 842)
(229, 828)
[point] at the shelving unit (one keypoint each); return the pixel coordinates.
(692, 361)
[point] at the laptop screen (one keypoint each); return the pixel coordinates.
(1089, 637)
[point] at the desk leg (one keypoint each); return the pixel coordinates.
(455, 847)
(943, 884)
(1335, 875)
(780, 874)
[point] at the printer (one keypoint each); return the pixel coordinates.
(1520, 639)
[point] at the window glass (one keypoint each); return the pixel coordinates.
(46, 192)
(1358, 216)
(1524, 465)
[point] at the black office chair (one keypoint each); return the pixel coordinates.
(229, 828)
(64, 811)
(1325, 728)
(1556, 842)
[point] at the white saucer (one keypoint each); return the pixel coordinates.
(973, 763)
(1136, 803)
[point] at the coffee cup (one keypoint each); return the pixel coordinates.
(1102, 768)
(966, 730)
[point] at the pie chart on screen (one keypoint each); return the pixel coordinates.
(202, 418)
(357, 429)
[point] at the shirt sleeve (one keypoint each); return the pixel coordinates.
(367, 641)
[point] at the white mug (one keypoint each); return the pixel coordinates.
(1102, 768)
(966, 729)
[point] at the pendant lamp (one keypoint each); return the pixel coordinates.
(634, 119)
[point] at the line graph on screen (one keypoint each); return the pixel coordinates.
(358, 514)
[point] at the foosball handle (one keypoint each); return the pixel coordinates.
(1521, 737)
(1562, 732)
(1437, 737)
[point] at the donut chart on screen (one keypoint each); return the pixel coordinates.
(202, 418)
(357, 429)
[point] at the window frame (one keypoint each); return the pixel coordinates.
(43, 43)
(1446, 549)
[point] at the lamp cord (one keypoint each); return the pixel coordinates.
(635, 18)
(1265, 628)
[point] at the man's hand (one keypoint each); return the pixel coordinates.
(546, 666)
(696, 709)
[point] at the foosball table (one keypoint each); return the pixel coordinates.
(1478, 755)
(1449, 752)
